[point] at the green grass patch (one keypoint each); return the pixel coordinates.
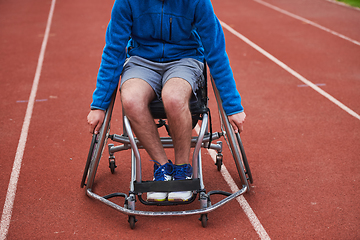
(354, 3)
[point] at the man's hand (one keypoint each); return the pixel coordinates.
(95, 120)
(237, 121)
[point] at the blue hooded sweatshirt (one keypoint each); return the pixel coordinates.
(161, 31)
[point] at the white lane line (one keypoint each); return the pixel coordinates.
(308, 21)
(292, 72)
(260, 230)
(317, 84)
(25, 101)
(10, 196)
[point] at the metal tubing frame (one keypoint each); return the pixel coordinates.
(166, 213)
(167, 142)
(196, 162)
(135, 150)
(129, 142)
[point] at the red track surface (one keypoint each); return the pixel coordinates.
(303, 149)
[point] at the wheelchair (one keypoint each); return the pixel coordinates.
(200, 112)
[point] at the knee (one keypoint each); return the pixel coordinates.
(175, 103)
(132, 105)
(136, 95)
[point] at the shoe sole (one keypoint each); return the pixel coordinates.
(156, 200)
(178, 200)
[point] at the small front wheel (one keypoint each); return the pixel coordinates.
(112, 165)
(204, 220)
(132, 220)
(219, 161)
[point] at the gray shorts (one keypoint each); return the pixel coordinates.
(157, 74)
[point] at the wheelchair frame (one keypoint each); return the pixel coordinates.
(137, 186)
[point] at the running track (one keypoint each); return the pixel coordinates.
(297, 65)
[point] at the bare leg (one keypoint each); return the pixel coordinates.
(136, 96)
(176, 95)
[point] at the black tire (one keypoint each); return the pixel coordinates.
(219, 162)
(100, 142)
(86, 170)
(112, 166)
(235, 145)
(132, 221)
(244, 158)
(203, 219)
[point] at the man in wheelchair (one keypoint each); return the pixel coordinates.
(158, 48)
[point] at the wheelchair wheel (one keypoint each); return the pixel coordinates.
(237, 150)
(98, 145)
(86, 170)
(98, 149)
(234, 142)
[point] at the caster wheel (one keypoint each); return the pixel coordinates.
(203, 220)
(132, 220)
(112, 166)
(219, 159)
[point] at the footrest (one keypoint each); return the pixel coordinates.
(167, 186)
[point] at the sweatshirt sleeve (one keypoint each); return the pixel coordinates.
(114, 53)
(213, 40)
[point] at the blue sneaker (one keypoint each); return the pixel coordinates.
(181, 172)
(161, 173)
